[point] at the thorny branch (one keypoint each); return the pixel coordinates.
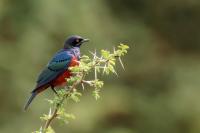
(103, 64)
(54, 115)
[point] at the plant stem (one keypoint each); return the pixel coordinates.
(55, 113)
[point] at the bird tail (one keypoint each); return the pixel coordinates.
(30, 100)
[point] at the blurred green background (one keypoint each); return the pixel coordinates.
(157, 93)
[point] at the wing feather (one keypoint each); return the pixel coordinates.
(58, 64)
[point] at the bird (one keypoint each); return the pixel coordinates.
(57, 70)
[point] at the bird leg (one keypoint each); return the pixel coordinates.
(52, 87)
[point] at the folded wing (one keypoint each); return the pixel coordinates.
(59, 63)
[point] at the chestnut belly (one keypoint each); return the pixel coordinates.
(61, 79)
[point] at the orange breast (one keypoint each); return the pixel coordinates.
(61, 80)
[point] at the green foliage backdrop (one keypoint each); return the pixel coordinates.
(158, 92)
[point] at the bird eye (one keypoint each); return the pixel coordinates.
(77, 40)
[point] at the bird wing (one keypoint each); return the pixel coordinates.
(58, 64)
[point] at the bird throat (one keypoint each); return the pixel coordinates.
(76, 52)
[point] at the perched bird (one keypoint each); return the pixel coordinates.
(56, 71)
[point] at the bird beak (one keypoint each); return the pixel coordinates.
(85, 40)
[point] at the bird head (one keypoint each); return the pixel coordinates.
(74, 41)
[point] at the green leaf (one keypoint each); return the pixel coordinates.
(98, 83)
(49, 130)
(75, 96)
(65, 117)
(105, 54)
(85, 58)
(112, 61)
(96, 94)
(45, 117)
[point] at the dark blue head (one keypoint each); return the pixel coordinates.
(74, 41)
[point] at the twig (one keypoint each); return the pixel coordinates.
(48, 122)
(55, 113)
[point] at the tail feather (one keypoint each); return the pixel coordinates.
(36, 91)
(30, 100)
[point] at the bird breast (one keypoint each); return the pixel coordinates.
(61, 79)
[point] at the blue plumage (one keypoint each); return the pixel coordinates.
(57, 66)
